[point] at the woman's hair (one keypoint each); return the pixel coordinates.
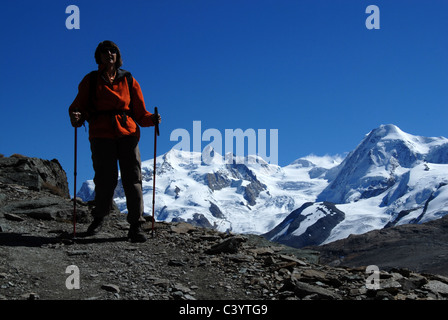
(108, 44)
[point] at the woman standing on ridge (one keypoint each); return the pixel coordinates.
(111, 100)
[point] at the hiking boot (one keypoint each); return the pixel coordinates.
(136, 233)
(95, 226)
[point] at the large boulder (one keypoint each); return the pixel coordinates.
(34, 173)
(48, 208)
(38, 189)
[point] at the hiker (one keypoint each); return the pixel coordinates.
(111, 101)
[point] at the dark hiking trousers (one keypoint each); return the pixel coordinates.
(105, 155)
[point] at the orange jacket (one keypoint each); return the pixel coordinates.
(112, 97)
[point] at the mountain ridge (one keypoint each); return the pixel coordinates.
(390, 178)
(386, 180)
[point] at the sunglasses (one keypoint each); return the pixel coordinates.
(111, 49)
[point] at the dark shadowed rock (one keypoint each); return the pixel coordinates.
(229, 245)
(419, 247)
(47, 208)
(34, 173)
(286, 232)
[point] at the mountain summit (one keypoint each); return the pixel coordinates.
(376, 164)
(391, 178)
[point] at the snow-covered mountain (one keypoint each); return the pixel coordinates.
(391, 178)
(245, 196)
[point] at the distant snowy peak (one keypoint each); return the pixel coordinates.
(390, 138)
(208, 158)
(391, 178)
(87, 191)
(326, 162)
(373, 167)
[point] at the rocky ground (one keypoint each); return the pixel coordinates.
(39, 260)
(180, 262)
(419, 247)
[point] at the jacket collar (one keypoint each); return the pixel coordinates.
(120, 72)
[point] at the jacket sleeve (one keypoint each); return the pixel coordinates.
(82, 99)
(141, 115)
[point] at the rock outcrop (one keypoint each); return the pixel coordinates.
(38, 189)
(34, 173)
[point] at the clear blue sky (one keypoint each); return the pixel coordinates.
(309, 68)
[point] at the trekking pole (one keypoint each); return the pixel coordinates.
(74, 191)
(156, 133)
